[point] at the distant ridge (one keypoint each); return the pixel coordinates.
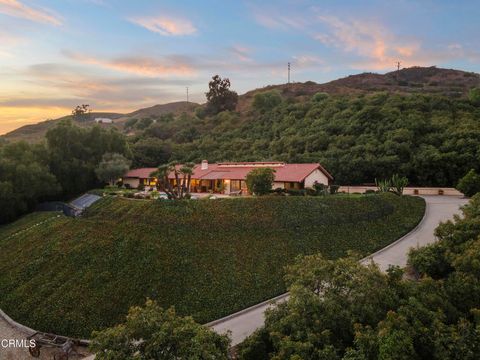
(36, 132)
(421, 80)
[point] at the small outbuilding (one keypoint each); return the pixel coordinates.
(103, 120)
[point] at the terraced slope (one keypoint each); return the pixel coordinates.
(209, 258)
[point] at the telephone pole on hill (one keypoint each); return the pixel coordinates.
(288, 73)
(398, 70)
(187, 94)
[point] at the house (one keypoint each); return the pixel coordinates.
(135, 177)
(103, 121)
(229, 177)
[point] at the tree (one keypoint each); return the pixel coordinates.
(260, 181)
(150, 151)
(180, 189)
(81, 113)
(474, 95)
(74, 153)
(327, 297)
(130, 123)
(220, 97)
(143, 123)
(266, 101)
(319, 97)
(154, 333)
(25, 179)
(469, 184)
(112, 167)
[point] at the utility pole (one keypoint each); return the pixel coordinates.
(398, 70)
(187, 94)
(288, 73)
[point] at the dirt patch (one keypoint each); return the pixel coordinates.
(7, 332)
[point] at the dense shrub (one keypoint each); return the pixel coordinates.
(151, 332)
(259, 181)
(319, 97)
(333, 189)
(266, 101)
(342, 310)
(296, 192)
(469, 184)
(474, 96)
(208, 258)
(25, 179)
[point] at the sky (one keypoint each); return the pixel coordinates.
(122, 55)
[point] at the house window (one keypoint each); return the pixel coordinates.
(292, 185)
(235, 185)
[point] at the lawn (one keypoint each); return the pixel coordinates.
(209, 258)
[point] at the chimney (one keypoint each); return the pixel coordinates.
(204, 165)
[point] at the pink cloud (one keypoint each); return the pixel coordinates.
(369, 40)
(242, 53)
(17, 9)
(272, 20)
(308, 61)
(137, 65)
(166, 25)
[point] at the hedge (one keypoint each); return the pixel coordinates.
(209, 258)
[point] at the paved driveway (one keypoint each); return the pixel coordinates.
(439, 208)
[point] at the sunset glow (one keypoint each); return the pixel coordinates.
(122, 55)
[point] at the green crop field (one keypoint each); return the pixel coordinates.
(209, 258)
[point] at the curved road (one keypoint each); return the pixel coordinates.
(245, 322)
(438, 209)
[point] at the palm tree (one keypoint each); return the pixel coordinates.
(183, 176)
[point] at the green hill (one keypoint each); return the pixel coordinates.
(209, 258)
(36, 132)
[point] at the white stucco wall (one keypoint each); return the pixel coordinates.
(133, 182)
(317, 176)
(406, 191)
(276, 185)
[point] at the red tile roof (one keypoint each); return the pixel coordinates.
(142, 173)
(238, 171)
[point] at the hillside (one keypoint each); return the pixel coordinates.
(36, 132)
(423, 80)
(209, 258)
(417, 80)
(431, 139)
(158, 110)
